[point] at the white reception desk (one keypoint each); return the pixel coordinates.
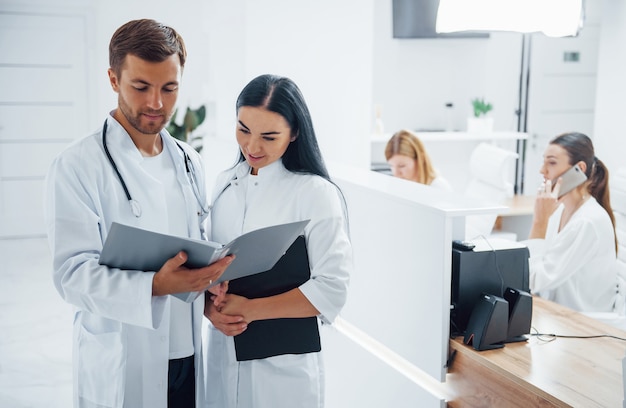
(391, 343)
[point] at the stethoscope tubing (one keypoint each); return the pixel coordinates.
(134, 205)
(108, 154)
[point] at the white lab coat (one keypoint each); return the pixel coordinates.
(277, 196)
(121, 332)
(577, 266)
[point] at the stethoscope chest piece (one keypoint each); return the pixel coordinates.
(135, 208)
(134, 205)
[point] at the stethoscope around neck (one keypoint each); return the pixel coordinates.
(134, 205)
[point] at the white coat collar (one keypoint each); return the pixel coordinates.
(119, 140)
(268, 172)
(241, 171)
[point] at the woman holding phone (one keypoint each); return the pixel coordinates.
(572, 240)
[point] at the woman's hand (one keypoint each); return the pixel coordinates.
(230, 325)
(547, 198)
(218, 292)
(545, 204)
(234, 305)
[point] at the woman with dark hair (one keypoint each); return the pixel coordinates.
(280, 177)
(572, 239)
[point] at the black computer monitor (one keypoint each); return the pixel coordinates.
(491, 267)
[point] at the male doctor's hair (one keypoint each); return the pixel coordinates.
(580, 148)
(282, 96)
(147, 39)
(406, 143)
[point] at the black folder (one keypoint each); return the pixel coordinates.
(273, 337)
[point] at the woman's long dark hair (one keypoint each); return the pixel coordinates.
(580, 148)
(282, 96)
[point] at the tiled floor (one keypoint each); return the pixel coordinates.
(35, 329)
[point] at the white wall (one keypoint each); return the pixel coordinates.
(231, 42)
(341, 54)
(309, 42)
(344, 58)
(414, 78)
(185, 16)
(609, 138)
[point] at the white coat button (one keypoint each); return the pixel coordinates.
(163, 338)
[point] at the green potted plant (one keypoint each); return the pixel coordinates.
(480, 122)
(184, 132)
(481, 108)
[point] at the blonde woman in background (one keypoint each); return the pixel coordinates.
(408, 159)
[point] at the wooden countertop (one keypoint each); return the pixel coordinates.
(562, 372)
(520, 205)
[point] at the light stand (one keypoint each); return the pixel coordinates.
(522, 113)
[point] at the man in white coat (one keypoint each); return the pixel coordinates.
(134, 344)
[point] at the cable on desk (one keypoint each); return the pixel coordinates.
(548, 337)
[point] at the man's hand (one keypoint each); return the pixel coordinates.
(173, 277)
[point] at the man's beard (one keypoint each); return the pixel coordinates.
(152, 128)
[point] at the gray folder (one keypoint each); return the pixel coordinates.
(133, 248)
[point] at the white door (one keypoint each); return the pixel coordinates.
(43, 106)
(562, 90)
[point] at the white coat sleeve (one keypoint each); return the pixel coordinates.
(553, 265)
(330, 251)
(74, 221)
